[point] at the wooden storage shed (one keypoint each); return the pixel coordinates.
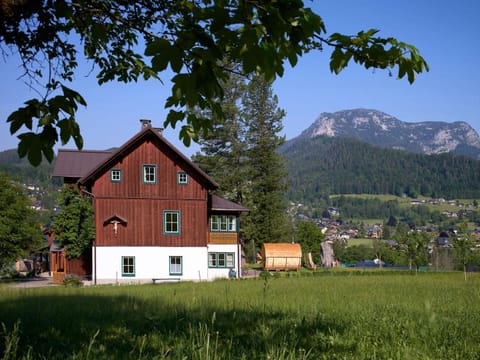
(281, 256)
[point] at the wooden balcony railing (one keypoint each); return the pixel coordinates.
(222, 238)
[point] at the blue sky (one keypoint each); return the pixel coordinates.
(446, 33)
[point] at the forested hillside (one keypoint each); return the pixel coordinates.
(321, 166)
(22, 171)
(37, 181)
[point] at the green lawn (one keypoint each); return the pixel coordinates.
(356, 242)
(323, 315)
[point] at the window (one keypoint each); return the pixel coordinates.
(171, 222)
(175, 265)
(212, 259)
(115, 175)
(223, 223)
(182, 178)
(221, 260)
(128, 265)
(230, 260)
(149, 174)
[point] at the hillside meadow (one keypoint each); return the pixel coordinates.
(406, 201)
(353, 314)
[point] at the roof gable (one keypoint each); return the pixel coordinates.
(147, 133)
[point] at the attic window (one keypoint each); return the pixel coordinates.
(182, 178)
(149, 174)
(115, 175)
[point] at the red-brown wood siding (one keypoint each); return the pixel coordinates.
(168, 165)
(144, 225)
(142, 205)
(81, 266)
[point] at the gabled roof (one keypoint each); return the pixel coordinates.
(74, 163)
(220, 204)
(87, 165)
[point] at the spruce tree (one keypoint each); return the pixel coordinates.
(223, 147)
(267, 221)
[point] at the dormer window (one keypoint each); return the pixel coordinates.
(149, 174)
(182, 178)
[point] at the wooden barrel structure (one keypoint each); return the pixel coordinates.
(281, 256)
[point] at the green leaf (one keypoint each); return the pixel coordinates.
(156, 47)
(173, 117)
(160, 62)
(338, 60)
(49, 154)
(185, 135)
(30, 145)
(99, 32)
(18, 119)
(24, 144)
(24, 116)
(176, 59)
(72, 94)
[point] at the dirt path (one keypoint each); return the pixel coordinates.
(33, 282)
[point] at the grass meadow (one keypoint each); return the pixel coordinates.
(353, 314)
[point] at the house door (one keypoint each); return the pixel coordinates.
(58, 263)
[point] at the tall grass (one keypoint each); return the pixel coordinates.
(337, 315)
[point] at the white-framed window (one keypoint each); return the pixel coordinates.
(225, 223)
(149, 174)
(182, 178)
(221, 260)
(176, 265)
(171, 222)
(116, 175)
(128, 265)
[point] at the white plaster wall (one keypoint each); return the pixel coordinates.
(215, 273)
(150, 262)
(153, 262)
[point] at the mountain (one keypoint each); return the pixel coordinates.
(380, 129)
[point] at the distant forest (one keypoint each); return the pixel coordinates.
(322, 166)
(20, 170)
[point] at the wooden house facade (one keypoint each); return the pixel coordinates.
(155, 218)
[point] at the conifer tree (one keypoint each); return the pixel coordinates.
(223, 147)
(267, 221)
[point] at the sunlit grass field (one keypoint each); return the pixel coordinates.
(353, 314)
(406, 202)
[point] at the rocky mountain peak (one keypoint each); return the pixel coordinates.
(381, 129)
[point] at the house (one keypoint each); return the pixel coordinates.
(155, 215)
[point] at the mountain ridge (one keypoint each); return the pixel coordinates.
(381, 129)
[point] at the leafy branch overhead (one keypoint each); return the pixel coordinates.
(130, 41)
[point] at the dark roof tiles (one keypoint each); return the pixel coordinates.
(218, 203)
(75, 164)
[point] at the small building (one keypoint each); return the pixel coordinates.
(281, 256)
